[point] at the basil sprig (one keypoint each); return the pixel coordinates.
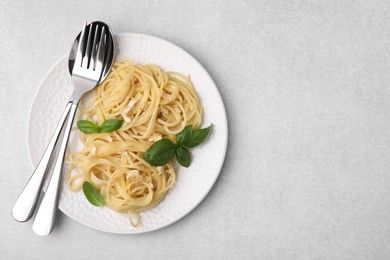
(162, 151)
(92, 195)
(108, 126)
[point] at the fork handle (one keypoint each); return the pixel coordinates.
(46, 214)
(27, 200)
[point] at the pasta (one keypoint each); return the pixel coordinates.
(153, 104)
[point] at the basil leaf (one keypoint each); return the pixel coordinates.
(160, 152)
(87, 127)
(92, 195)
(111, 125)
(198, 136)
(183, 157)
(184, 136)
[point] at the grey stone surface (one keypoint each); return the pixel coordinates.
(305, 84)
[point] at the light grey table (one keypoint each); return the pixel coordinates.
(306, 88)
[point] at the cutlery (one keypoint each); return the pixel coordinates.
(87, 70)
(93, 56)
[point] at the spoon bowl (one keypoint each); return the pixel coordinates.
(110, 50)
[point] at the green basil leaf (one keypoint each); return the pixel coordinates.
(160, 152)
(184, 136)
(198, 136)
(92, 195)
(111, 125)
(183, 157)
(87, 127)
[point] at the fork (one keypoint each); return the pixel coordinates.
(87, 70)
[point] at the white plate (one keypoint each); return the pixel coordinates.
(192, 183)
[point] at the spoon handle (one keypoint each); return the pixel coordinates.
(46, 214)
(27, 200)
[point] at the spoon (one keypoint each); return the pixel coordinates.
(27, 200)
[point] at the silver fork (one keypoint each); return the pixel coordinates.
(87, 70)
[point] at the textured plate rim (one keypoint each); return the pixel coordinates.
(223, 149)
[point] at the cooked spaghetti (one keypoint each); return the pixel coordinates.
(153, 104)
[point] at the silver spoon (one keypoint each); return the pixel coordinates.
(27, 200)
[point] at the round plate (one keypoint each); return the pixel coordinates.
(192, 184)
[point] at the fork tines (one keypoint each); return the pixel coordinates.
(91, 49)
